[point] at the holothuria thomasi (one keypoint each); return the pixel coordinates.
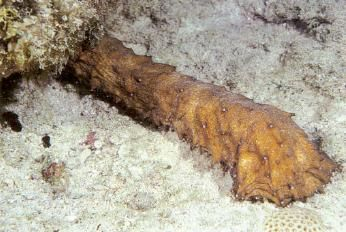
(268, 155)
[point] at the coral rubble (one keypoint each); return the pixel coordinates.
(43, 34)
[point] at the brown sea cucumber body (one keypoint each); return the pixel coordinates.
(268, 154)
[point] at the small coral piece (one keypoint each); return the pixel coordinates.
(55, 174)
(294, 220)
(269, 156)
(90, 140)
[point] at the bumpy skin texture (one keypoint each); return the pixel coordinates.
(269, 156)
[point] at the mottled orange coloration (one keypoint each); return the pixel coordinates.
(268, 154)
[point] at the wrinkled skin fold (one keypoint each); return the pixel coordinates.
(268, 155)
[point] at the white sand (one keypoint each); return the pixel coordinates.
(137, 179)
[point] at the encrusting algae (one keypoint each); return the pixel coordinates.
(43, 34)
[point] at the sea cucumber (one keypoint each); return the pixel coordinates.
(268, 155)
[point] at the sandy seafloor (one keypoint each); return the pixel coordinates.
(134, 178)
